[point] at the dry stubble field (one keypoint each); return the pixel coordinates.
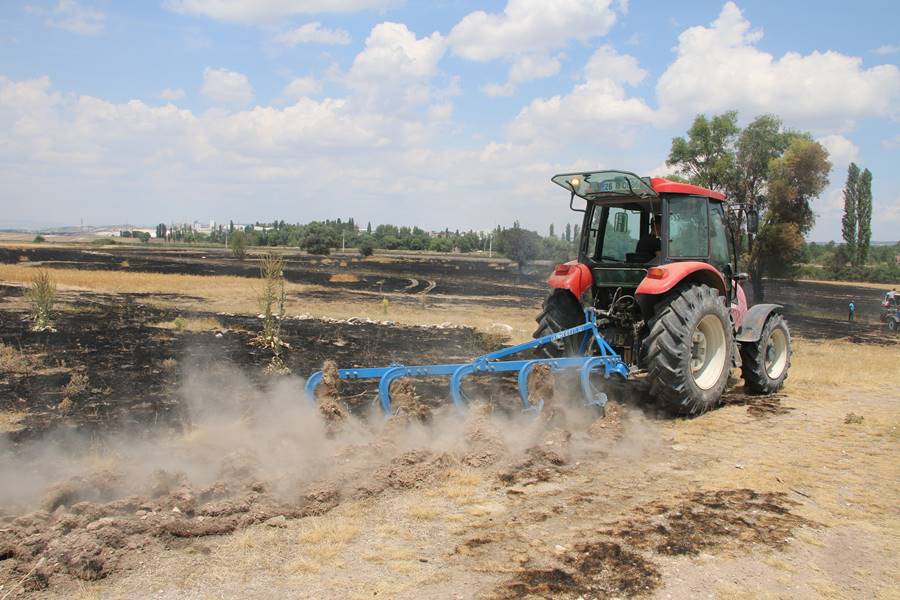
(145, 459)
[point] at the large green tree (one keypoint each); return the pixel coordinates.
(762, 167)
(519, 245)
(706, 156)
(849, 222)
(795, 179)
(864, 217)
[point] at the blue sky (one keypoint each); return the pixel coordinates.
(441, 114)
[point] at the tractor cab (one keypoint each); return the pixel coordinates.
(634, 223)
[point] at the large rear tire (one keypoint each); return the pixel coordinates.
(689, 350)
(561, 311)
(765, 363)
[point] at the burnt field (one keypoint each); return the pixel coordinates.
(478, 277)
(143, 447)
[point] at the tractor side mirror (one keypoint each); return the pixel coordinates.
(752, 221)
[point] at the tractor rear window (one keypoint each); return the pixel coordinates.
(688, 227)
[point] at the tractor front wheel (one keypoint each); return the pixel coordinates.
(561, 311)
(765, 363)
(689, 350)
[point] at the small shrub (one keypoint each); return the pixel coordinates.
(271, 303)
(78, 383)
(169, 364)
(39, 239)
(180, 324)
(103, 242)
(41, 295)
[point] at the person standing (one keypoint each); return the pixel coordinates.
(851, 314)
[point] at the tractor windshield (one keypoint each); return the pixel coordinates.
(599, 185)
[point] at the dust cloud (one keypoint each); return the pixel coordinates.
(234, 429)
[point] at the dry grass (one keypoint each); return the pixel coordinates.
(343, 278)
(169, 364)
(875, 286)
(837, 366)
(10, 420)
(322, 540)
(14, 361)
(190, 324)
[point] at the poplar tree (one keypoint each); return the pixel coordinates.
(864, 217)
(849, 225)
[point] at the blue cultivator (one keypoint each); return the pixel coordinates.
(588, 360)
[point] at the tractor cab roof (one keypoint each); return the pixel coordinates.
(596, 186)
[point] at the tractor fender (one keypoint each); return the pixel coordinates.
(662, 278)
(573, 276)
(754, 320)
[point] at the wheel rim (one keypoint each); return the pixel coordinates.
(708, 352)
(776, 354)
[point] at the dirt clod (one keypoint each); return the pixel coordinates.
(540, 386)
(542, 461)
(405, 401)
(853, 419)
(485, 445)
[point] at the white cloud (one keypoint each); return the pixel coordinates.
(72, 17)
(312, 33)
(395, 70)
(525, 33)
(526, 67)
(533, 66)
(596, 106)
(841, 151)
(392, 51)
(719, 68)
(256, 11)
(166, 160)
(529, 26)
(887, 49)
(227, 87)
(172, 94)
(299, 87)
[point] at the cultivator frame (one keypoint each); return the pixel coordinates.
(586, 362)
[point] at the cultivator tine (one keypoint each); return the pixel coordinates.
(591, 339)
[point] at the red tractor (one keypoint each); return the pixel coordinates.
(656, 261)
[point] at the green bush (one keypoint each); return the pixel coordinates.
(38, 239)
(238, 244)
(319, 238)
(366, 248)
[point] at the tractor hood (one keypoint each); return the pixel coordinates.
(606, 185)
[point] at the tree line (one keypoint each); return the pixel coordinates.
(322, 237)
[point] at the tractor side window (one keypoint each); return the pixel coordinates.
(719, 256)
(621, 234)
(688, 227)
(593, 232)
